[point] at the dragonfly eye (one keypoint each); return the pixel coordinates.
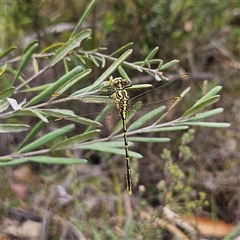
(124, 82)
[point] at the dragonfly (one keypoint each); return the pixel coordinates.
(118, 90)
(120, 94)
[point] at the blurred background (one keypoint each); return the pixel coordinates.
(205, 37)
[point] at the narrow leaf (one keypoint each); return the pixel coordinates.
(83, 17)
(169, 64)
(37, 88)
(3, 69)
(48, 92)
(30, 112)
(4, 54)
(45, 159)
(73, 81)
(202, 115)
(98, 99)
(76, 139)
(103, 148)
(210, 94)
(5, 159)
(152, 53)
(121, 49)
(3, 105)
(166, 129)
(94, 60)
(103, 62)
(28, 52)
(116, 144)
(52, 47)
(69, 46)
(69, 115)
(124, 74)
(46, 139)
(146, 139)
(112, 68)
(38, 127)
(35, 65)
(9, 128)
(209, 124)
(147, 117)
(6, 93)
(201, 105)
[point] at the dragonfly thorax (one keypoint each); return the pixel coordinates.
(118, 92)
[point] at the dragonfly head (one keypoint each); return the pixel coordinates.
(119, 82)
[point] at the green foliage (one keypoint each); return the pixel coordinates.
(174, 192)
(32, 97)
(35, 106)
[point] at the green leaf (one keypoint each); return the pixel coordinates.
(76, 139)
(147, 139)
(88, 88)
(124, 74)
(3, 69)
(5, 159)
(169, 64)
(151, 61)
(44, 159)
(46, 139)
(38, 127)
(166, 129)
(104, 148)
(112, 68)
(202, 115)
(6, 93)
(30, 112)
(69, 115)
(37, 88)
(140, 86)
(152, 54)
(94, 60)
(117, 144)
(121, 49)
(28, 52)
(103, 62)
(4, 54)
(201, 105)
(210, 94)
(73, 81)
(9, 128)
(49, 91)
(208, 124)
(98, 99)
(4, 104)
(83, 17)
(69, 46)
(52, 47)
(147, 117)
(35, 64)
